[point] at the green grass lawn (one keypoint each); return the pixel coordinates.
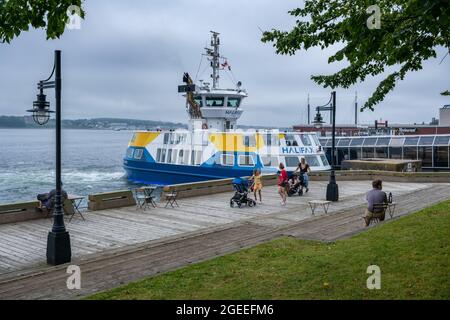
(413, 254)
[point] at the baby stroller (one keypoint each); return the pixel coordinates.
(241, 195)
(296, 184)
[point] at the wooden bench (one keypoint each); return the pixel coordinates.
(110, 200)
(18, 212)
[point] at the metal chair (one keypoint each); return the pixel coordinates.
(171, 199)
(144, 198)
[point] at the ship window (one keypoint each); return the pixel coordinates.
(130, 152)
(250, 141)
(323, 142)
(199, 101)
(426, 141)
(305, 140)
(442, 140)
(316, 140)
(166, 138)
(158, 155)
(169, 156)
(269, 161)
(411, 141)
(186, 157)
(292, 162)
(312, 161)
(329, 142)
(180, 156)
(138, 154)
(275, 140)
(174, 155)
(324, 160)
(290, 140)
(198, 157)
(246, 160)
(227, 159)
(233, 102)
(192, 157)
(171, 138)
(344, 142)
(133, 139)
(163, 155)
(214, 101)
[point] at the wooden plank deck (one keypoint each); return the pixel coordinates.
(23, 245)
(108, 259)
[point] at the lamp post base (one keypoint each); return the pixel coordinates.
(332, 188)
(58, 248)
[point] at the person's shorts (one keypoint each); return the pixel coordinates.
(257, 186)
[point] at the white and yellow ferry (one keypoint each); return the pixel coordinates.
(212, 147)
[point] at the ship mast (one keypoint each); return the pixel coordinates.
(215, 55)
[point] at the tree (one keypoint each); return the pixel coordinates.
(409, 34)
(17, 16)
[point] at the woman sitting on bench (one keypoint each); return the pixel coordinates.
(375, 197)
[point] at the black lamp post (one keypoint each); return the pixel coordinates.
(332, 188)
(58, 240)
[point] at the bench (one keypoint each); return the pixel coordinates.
(18, 212)
(110, 200)
(315, 203)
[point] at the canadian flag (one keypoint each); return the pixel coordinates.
(226, 65)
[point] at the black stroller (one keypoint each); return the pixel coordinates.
(241, 195)
(296, 185)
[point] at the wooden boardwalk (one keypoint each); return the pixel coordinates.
(116, 246)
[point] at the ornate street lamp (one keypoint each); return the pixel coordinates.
(58, 240)
(41, 108)
(332, 187)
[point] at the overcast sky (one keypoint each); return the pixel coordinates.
(129, 57)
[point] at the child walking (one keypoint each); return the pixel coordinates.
(257, 184)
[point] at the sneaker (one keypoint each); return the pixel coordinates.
(306, 190)
(283, 203)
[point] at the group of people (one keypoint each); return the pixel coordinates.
(283, 180)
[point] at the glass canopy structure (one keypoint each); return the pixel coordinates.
(433, 150)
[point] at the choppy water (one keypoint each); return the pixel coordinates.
(91, 162)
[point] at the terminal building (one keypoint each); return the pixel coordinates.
(427, 142)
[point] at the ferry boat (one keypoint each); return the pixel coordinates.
(213, 147)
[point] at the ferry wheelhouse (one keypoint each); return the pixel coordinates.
(213, 147)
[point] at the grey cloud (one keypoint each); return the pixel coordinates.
(128, 59)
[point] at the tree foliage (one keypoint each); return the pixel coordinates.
(18, 15)
(410, 32)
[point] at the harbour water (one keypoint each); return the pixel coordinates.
(91, 162)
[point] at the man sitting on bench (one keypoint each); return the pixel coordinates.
(374, 198)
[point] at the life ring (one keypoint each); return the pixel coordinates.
(204, 126)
